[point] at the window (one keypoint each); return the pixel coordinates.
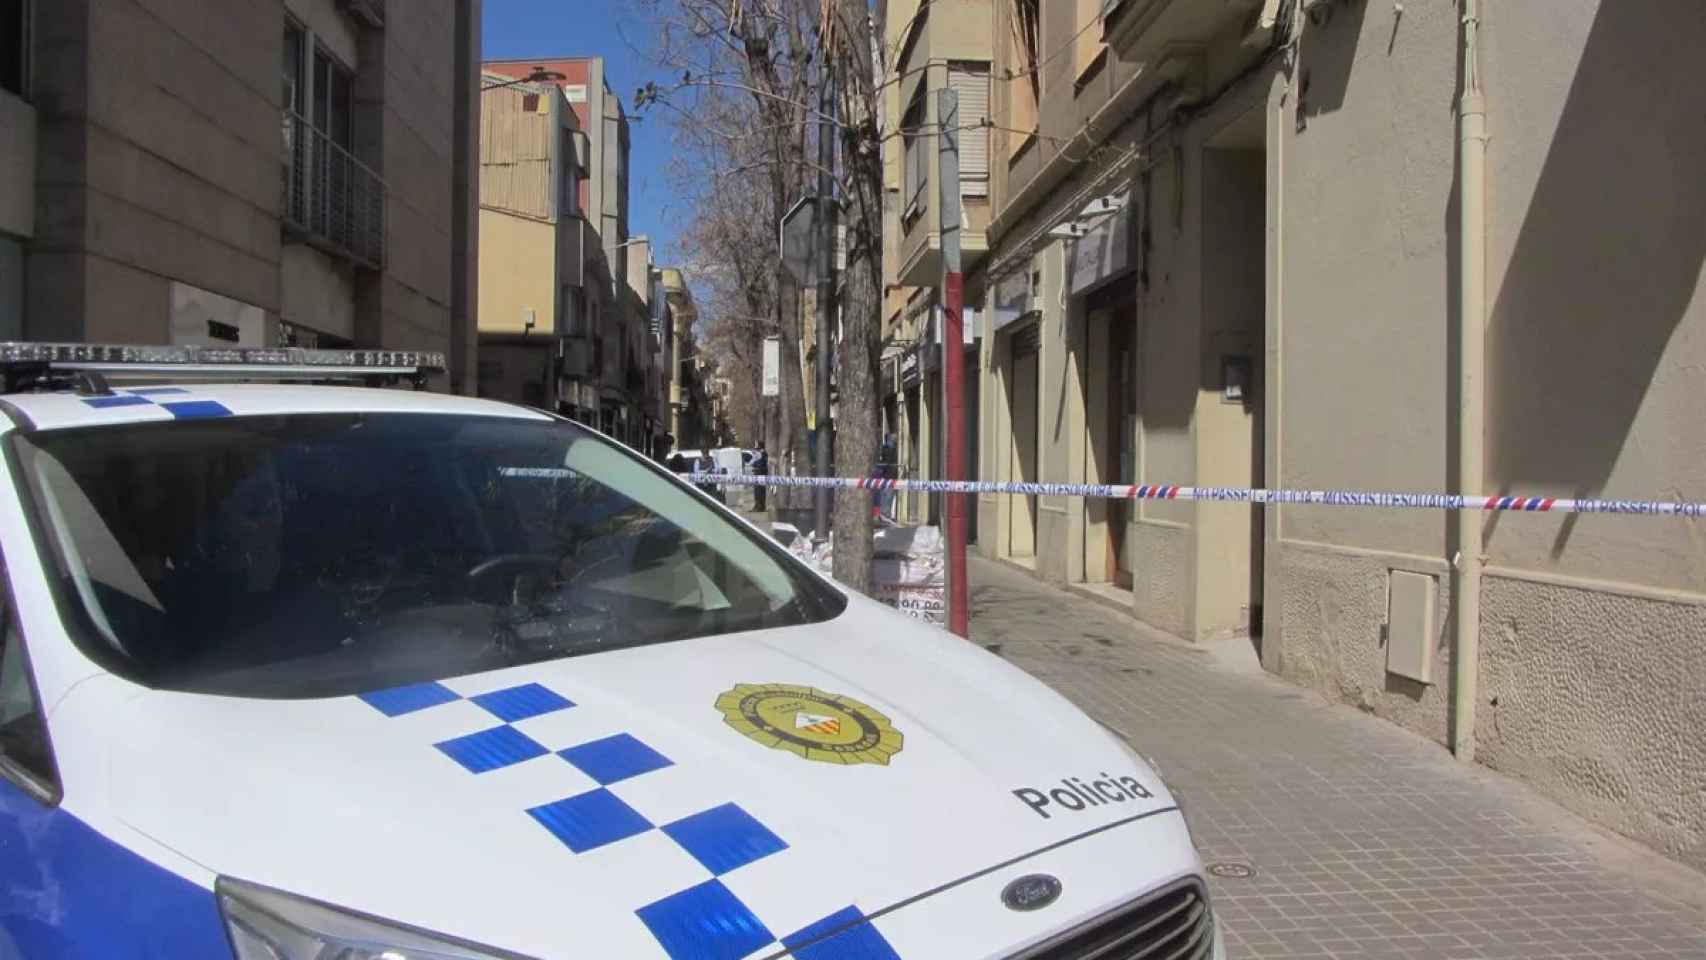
(321, 90)
(574, 320)
(24, 751)
(914, 137)
(334, 103)
(971, 82)
(569, 190)
(1087, 45)
(1024, 90)
(326, 555)
(15, 46)
(295, 41)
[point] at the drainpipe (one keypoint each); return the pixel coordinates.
(1471, 397)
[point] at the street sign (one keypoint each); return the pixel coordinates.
(772, 386)
(799, 239)
(1105, 248)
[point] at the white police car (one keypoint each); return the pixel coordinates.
(331, 673)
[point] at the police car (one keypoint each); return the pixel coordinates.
(295, 671)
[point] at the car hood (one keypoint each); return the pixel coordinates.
(589, 800)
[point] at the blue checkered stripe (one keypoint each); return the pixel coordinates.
(703, 922)
(177, 401)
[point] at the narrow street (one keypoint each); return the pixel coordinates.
(1365, 841)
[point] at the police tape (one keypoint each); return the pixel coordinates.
(1161, 491)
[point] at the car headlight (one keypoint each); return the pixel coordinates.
(266, 924)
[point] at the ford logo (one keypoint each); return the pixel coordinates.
(1031, 892)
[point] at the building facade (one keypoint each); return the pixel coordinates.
(256, 173)
(645, 341)
(537, 320)
(1227, 247)
(928, 48)
(685, 394)
(609, 377)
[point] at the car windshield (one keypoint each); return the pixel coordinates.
(324, 555)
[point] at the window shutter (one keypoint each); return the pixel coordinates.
(910, 177)
(971, 83)
(921, 172)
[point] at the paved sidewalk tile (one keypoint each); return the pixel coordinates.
(1367, 841)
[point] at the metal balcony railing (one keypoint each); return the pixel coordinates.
(331, 199)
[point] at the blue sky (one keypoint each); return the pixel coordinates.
(517, 29)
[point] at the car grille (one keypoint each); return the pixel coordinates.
(1173, 924)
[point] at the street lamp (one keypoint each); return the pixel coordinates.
(539, 75)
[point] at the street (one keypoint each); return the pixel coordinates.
(1365, 840)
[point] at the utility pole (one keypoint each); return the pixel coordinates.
(825, 287)
(953, 350)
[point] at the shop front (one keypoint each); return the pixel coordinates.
(1102, 280)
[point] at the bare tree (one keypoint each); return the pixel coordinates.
(728, 255)
(850, 37)
(745, 106)
(746, 70)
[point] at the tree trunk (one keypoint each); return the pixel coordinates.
(857, 423)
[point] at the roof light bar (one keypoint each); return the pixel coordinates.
(120, 359)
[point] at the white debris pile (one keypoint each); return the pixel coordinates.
(908, 567)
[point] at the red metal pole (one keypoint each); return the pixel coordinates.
(954, 377)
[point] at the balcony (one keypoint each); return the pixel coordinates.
(331, 200)
(578, 360)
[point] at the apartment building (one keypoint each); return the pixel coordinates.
(683, 315)
(930, 46)
(1227, 248)
(264, 172)
(537, 322)
(645, 341)
(614, 387)
(699, 419)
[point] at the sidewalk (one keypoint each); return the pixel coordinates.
(1366, 841)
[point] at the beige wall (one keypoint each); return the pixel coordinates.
(1591, 632)
(318, 291)
(1233, 301)
(517, 273)
(161, 127)
(1060, 437)
(1597, 235)
(1337, 229)
(1598, 230)
(1163, 536)
(1359, 385)
(165, 150)
(418, 126)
